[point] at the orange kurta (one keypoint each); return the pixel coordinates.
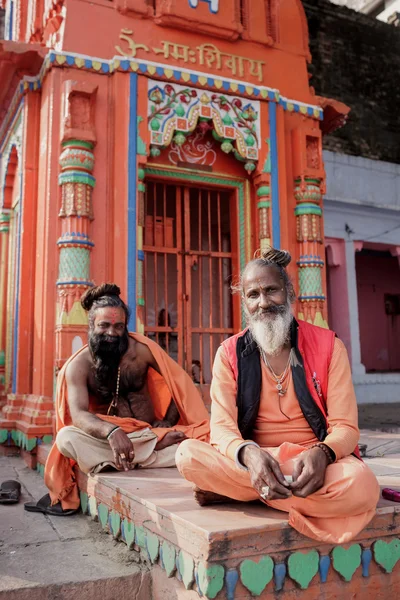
(346, 502)
(172, 383)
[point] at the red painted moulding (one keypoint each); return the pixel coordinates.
(16, 60)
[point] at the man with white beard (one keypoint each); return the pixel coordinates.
(284, 425)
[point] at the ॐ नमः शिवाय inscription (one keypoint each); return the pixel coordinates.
(205, 54)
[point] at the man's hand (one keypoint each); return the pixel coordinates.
(122, 449)
(265, 471)
(309, 472)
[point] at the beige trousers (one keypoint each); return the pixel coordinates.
(93, 454)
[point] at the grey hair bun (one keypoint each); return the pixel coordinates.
(271, 255)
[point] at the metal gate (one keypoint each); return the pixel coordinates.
(188, 269)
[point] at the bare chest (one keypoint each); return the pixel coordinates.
(130, 379)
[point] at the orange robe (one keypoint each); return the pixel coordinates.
(347, 500)
(173, 383)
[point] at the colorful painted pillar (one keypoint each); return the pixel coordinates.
(140, 310)
(263, 187)
(4, 244)
(76, 213)
(309, 187)
(308, 213)
(77, 182)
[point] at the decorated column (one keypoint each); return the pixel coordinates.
(263, 187)
(77, 182)
(308, 192)
(4, 243)
(76, 214)
(309, 236)
(140, 318)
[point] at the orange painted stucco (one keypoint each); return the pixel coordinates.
(74, 72)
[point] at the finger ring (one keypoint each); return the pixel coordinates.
(264, 492)
(122, 455)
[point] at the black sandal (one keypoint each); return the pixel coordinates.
(44, 506)
(10, 492)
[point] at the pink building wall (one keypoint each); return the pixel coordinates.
(377, 275)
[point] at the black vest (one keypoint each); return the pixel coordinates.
(249, 387)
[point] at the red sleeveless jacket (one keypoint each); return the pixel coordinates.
(314, 348)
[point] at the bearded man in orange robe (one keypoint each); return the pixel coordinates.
(121, 403)
(284, 425)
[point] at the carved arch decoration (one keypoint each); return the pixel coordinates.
(9, 176)
(175, 111)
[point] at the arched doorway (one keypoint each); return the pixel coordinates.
(9, 274)
(188, 248)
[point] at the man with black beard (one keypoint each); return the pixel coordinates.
(121, 403)
(283, 417)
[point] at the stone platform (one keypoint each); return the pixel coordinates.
(240, 551)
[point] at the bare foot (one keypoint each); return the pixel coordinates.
(171, 438)
(205, 498)
(162, 424)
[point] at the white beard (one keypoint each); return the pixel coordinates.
(271, 332)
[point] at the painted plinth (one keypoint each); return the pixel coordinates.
(233, 551)
(26, 421)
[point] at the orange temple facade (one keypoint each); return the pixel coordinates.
(155, 144)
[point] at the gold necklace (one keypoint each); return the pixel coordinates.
(279, 380)
(114, 401)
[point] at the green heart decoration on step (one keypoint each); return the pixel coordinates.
(387, 553)
(211, 579)
(346, 562)
(140, 537)
(303, 566)
(256, 576)
(115, 523)
(84, 502)
(93, 508)
(129, 533)
(153, 544)
(30, 444)
(168, 558)
(186, 569)
(102, 510)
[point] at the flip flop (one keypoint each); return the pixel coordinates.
(44, 506)
(10, 492)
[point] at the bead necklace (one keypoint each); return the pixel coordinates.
(114, 401)
(279, 379)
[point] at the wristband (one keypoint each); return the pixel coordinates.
(112, 431)
(328, 452)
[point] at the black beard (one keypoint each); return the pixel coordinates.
(107, 352)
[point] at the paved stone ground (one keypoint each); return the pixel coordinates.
(384, 417)
(383, 457)
(55, 558)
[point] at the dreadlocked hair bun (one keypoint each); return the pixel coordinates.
(94, 293)
(271, 255)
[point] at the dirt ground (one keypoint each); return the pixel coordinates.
(383, 417)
